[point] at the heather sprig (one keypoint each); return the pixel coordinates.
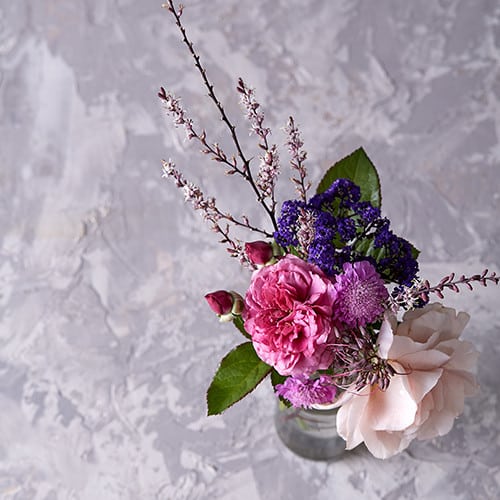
(207, 206)
(239, 163)
(254, 113)
(420, 291)
(269, 165)
(297, 158)
(174, 108)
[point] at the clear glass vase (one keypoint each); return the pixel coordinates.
(310, 433)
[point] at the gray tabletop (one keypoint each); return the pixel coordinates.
(106, 344)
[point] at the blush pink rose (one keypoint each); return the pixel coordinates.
(288, 313)
(434, 374)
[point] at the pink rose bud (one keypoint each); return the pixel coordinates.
(220, 301)
(259, 252)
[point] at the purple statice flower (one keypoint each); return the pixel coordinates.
(398, 262)
(340, 228)
(342, 193)
(361, 294)
(286, 235)
(367, 212)
(304, 392)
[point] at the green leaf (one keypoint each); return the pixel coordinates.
(240, 324)
(276, 379)
(238, 374)
(359, 169)
(366, 247)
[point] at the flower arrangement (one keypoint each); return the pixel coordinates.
(335, 312)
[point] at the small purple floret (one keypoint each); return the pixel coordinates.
(303, 392)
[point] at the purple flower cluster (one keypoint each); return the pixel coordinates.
(347, 229)
(302, 391)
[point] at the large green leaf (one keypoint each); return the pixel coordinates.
(359, 169)
(238, 374)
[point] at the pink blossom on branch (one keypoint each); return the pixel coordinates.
(267, 175)
(269, 166)
(297, 158)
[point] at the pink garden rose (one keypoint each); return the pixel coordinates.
(434, 374)
(288, 313)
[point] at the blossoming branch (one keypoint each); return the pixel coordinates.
(335, 312)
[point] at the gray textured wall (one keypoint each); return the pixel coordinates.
(106, 346)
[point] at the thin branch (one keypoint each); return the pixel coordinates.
(246, 173)
(448, 282)
(207, 206)
(409, 297)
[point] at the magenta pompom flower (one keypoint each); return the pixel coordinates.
(361, 294)
(304, 392)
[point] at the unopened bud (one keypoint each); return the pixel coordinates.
(259, 252)
(225, 304)
(220, 301)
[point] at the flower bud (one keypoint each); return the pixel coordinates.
(225, 304)
(259, 252)
(220, 301)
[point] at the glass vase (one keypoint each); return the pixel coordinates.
(309, 433)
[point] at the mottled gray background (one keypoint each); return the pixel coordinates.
(106, 343)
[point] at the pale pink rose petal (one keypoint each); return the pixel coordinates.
(386, 336)
(423, 360)
(437, 318)
(390, 410)
(402, 346)
(438, 424)
(421, 382)
(425, 408)
(453, 391)
(349, 417)
(464, 356)
(385, 444)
